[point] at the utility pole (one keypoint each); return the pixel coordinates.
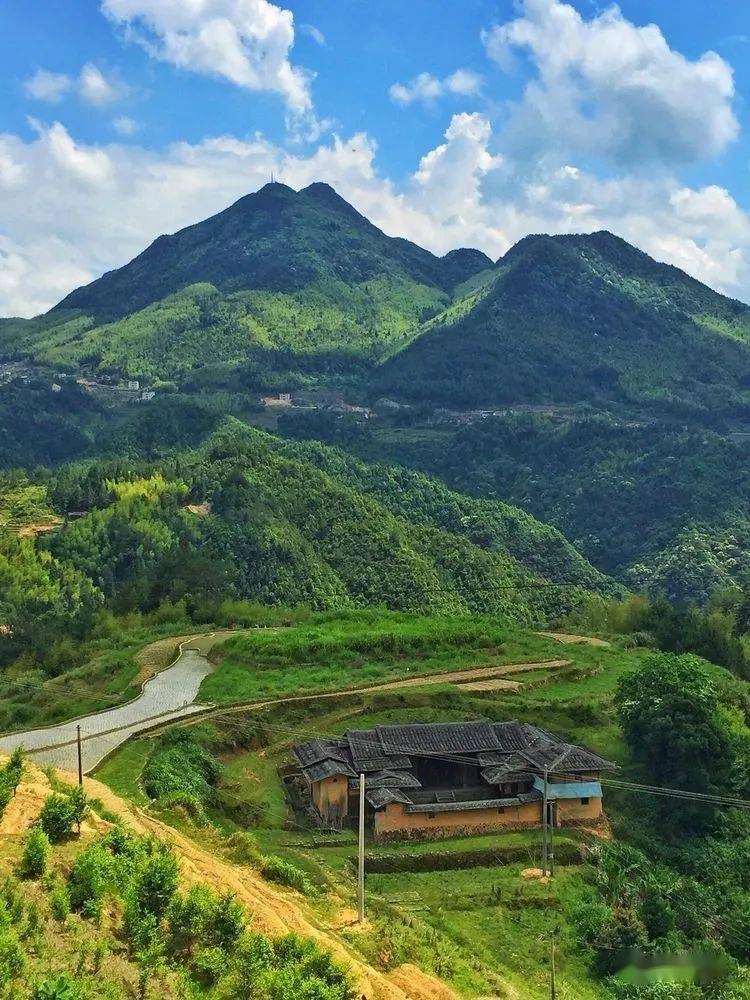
(361, 865)
(552, 982)
(552, 840)
(544, 823)
(80, 763)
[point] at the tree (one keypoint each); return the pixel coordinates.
(673, 721)
(57, 817)
(60, 813)
(35, 853)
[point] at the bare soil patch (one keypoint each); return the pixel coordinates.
(576, 640)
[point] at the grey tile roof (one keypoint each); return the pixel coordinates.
(378, 763)
(380, 797)
(314, 751)
(326, 769)
(440, 738)
(387, 779)
(363, 744)
(505, 751)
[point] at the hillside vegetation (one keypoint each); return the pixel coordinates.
(278, 274)
(571, 318)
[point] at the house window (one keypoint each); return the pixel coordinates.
(431, 815)
(584, 802)
(501, 809)
(335, 780)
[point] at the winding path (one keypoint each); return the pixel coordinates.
(168, 695)
(171, 693)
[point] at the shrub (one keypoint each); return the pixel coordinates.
(189, 804)
(181, 765)
(244, 848)
(14, 769)
(284, 872)
(188, 916)
(210, 965)
(59, 903)
(12, 958)
(149, 894)
(35, 853)
(57, 817)
(227, 922)
(89, 880)
(59, 987)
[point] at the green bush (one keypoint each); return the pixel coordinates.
(60, 987)
(209, 965)
(35, 854)
(244, 848)
(90, 879)
(278, 870)
(12, 957)
(59, 903)
(181, 766)
(61, 812)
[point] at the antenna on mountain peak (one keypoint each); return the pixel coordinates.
(273, 179)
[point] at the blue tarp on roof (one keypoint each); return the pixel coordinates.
(569, 790)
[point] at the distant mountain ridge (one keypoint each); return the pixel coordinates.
(581, 318)
(278, 240)
(298, 284)
(279, 275)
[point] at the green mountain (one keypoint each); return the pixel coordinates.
(567, 319)
(662, 508)
(248, 516)
(297, 274)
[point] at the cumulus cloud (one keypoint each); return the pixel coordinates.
(245, 41)
(95, 88)
(608, 87)
(125, 126)
(426, 88)
(91, 85)
(47, 86)
(69, 211)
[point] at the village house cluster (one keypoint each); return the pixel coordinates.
(429, 780)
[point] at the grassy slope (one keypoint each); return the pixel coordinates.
(363, 649)
(474, 926)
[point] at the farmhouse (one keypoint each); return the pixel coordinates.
(432, 780)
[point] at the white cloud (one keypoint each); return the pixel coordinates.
(86, 164)
(125, 126)
(91, 86)
(428, 88)
(69, 211)
(245, 41)
(95, 88)
(315, 33)
(608, 87)
(47, 86)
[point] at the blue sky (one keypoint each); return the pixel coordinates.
(453, 122)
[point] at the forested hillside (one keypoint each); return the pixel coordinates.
(278, 273)
(660, 506)
(245, 516)
(572, 318)
(631, 359)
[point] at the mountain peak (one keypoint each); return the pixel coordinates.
(275, 239)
